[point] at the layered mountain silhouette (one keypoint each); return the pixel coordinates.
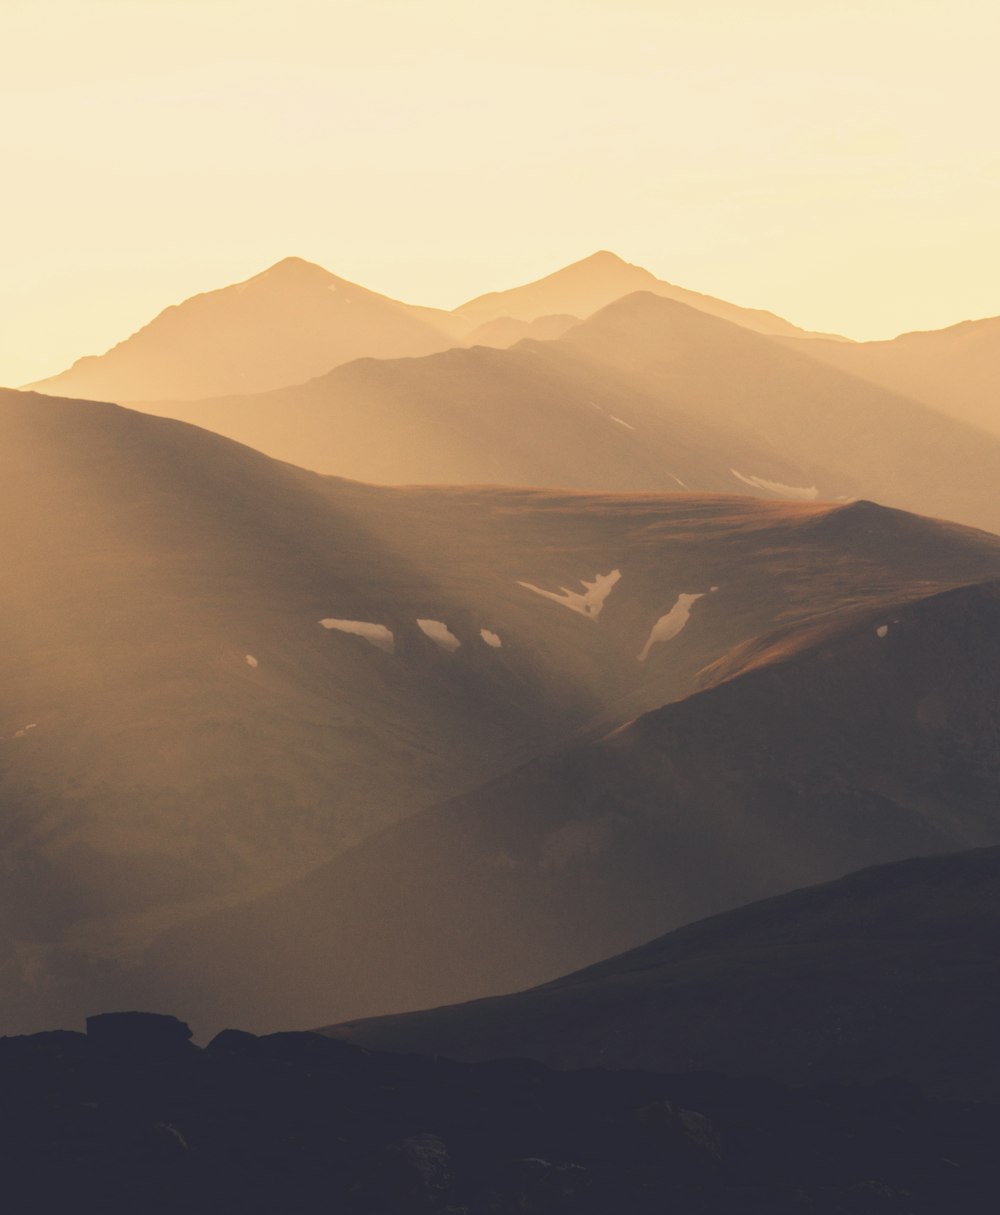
(296, 321)
(288, 324)
(955, 369)
(588, 285)
(826, 747)
(648, 394)
(891, 972)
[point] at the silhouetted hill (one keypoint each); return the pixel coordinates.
(132, 1118)
(888, 972)
(288, 324)
(843, 743)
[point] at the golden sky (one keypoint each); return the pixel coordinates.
(836, 161)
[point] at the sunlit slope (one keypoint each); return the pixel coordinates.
(850, 739)
(536, 414)
(172, 697)
(848, 436)
(218, 670)
(288, 324)
(594, 282)
(955, 369)
(891, 972)
(648, 394)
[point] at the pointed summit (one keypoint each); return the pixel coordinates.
(288, 324)
(604, 257)
(297, 270)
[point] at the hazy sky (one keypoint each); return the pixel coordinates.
(836, 161)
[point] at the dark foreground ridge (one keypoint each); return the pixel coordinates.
(132, 1117)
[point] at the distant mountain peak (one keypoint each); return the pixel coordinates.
(605, 262)
(604, 257)
(293, 267)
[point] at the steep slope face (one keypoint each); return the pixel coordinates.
(957, 369)
(646, 394)
(828, 753)
(288, 324)
(594, 282)
(889, 972)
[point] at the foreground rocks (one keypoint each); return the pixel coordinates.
(132, 1117)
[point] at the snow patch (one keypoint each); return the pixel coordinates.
(668, 626)
(590, 602)
(491, 638)
(621, 422)
(439, 633)
(377, 634)
(251, 661)
(882, 630)
(798, 492)
(681, 483)
(24, 730)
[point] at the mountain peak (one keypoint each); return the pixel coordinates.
(294, 267)
(605, 264)
(604, 257)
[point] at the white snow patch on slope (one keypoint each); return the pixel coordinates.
(798, 492)
(439, 633)
(882, 630)
(377, 634)
(22, 733)
(590, 602)
(251, 661)
(621, 422)
(491, 638)
(667, 627)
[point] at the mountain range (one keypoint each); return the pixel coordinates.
(600, 673)
(295, 321)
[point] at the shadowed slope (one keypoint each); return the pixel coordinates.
(288, 324)
(889, 972)
(876, 741)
